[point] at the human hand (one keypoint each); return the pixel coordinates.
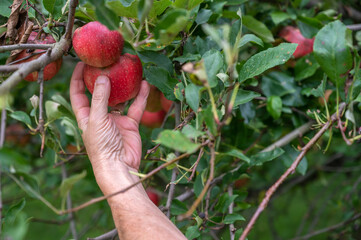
(112, 140)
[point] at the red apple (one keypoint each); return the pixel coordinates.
(96, 45)
(166, 104)
(153, 101)
(125, 77)
(16, 134)
(153, 119)
(153, 196)
(51, 69)
(293, 35)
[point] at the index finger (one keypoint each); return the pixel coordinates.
(79, 100)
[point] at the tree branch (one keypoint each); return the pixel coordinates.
(106, 236)
(57, 52)
(289, 137)
(232, 230)
(2, 140)
(25, 46)
(289, 171)
(331, 228)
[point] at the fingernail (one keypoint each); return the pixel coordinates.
(101, 80)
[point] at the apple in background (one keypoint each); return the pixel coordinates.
(153, 101)
(125, 77)
(96, 45)
(153, 119)
(51, 69)
(293, 35)
(16, 134)
(153, 196)
(166, 104)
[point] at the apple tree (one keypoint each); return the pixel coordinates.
(252, 127)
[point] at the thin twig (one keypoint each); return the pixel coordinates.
(25, 46)
(50, 221)
(289, 171)
(106, 236)
(331, 228)
(9, 68)
(40, 127)
(177, 108)
(37, 10)
(205, 189)
(232, 229)
(354, 27)
(289, 137)
(2, 140)
(196, 164)
(69, 205)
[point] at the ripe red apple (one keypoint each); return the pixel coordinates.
(125, 77)
(166, 104)
(152, 119)
(153, 196)
(293, 35)
(96, 45)
(51, 69)
(153, 101)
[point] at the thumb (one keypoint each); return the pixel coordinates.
(101, 93)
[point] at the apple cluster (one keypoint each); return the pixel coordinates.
(101, 50)
(51, 69)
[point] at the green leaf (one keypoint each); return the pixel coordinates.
(289, 157)
(170, 157)
(159, 7)
(54, 7)
(235, 152)
(278, 84)
(244, 96)
(121, 10)
(144, 7)
(231, 218)
(157, 58)
(191, 132)
(257, 28)
(224, 201)
(52, 110)
(68, 183)
(21, 116)
(192, 232)
(278, 16)
(4, 8)
(274, 106)
(208, 118)
(262, 157)
(306, 67)
(267, 59)
(213, 62)
(320, 90)
(331, 50)
(126, 3)
(105, 15)
(178, 207)
(192, 94)
(13, 211)
(250, 38)
(161, 78)
(187, 4)
(203, 16)
(170, 25)
(178, 91)
(177, 141)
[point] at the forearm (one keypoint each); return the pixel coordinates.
(135, 216)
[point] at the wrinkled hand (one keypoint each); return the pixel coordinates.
(112, 140)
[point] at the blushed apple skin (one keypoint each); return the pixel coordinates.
(51, 69)
(166, 104)
(125, 77)
(293, 35)
(152, 119)
(153, 101)
(153, 197)
(96, 45)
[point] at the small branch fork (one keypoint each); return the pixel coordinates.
(290, 171)
(58, 50)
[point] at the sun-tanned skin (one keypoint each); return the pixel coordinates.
(114, 147)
